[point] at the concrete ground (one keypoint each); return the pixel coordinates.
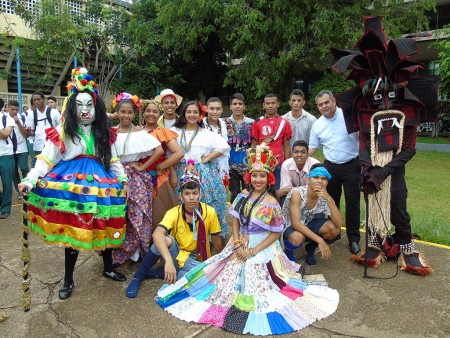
(404, 306)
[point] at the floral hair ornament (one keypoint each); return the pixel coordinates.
(145, 103)
(203, 110)
(262, 159)
(319, 171)
(127, 96)
(81, 81)
(190, 174)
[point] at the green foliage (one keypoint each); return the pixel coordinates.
(443, 45)
(269, 43)
(331, 81)
(95, 36)
(4, 75)
(255, 110)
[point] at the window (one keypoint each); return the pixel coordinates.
(5, 7)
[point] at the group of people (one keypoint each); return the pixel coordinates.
(22, 137)
(157, 192)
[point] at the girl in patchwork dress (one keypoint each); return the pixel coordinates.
(251, 287)
(133, 144)
(205, 148)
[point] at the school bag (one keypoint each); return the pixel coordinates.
(47, 117)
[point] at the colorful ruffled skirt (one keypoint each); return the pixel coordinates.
(213, 191)
(78, 204)
(262, 296)
(139, 217)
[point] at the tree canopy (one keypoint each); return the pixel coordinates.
(255, 46)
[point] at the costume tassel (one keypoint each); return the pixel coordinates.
(415, 263)
(374, 257)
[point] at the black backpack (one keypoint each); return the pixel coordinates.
(47, 117)
(12, 136)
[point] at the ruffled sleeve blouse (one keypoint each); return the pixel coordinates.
(264, 216)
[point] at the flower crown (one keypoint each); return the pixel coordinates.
(190, 174)
(127, 96)
(260, 158)
(81, 81)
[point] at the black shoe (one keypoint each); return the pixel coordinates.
(354, 247)
(114, 275)
(66, 291)
(4, 215)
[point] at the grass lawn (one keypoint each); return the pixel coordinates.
(428, 182)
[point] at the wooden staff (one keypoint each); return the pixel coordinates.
(25, 257)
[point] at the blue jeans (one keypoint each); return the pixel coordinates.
(174, 250)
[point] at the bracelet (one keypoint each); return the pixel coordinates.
(237, 247)
(237, 241)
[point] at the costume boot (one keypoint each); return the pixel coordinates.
(289, 250)
(413, 261)
(373, 255)
(149, 260)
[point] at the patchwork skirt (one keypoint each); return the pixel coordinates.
(264, 295)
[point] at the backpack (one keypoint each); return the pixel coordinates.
(47, 117)
(12, 136)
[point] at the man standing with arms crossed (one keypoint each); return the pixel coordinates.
(340, 150)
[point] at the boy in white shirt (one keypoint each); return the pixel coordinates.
(6, 162)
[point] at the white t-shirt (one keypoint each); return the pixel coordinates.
(21, 140)
(43, 123)
(6, 146)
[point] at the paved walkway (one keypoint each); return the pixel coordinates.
(404, 306)
(443, 148)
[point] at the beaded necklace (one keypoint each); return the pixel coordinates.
(245, 220)
(184, 145)
(126, 142)
(212, 128)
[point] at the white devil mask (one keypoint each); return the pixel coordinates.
(85, 108)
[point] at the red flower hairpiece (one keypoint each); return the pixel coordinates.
(203, 109)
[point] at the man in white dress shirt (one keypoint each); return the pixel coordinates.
(340, 150)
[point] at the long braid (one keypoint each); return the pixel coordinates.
(246, 222)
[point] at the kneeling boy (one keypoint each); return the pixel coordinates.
(181, 238)
(306, 209)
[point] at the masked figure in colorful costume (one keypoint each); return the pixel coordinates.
(386, 107)
(78, 186)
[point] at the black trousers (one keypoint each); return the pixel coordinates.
(399, 216)
(347, 175)
(237, 184)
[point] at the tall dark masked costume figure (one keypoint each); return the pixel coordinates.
(386, 106)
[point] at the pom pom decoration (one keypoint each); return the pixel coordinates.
(81, 81)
